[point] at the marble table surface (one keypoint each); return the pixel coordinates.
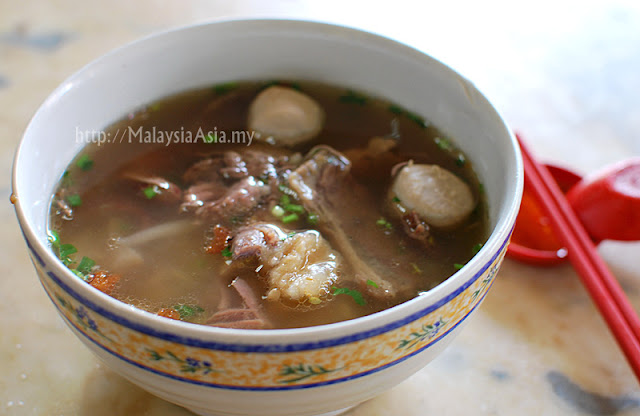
(566, 74)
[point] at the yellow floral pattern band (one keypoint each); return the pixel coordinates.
(279, 368)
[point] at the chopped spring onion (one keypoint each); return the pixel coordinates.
(74, 200)
(226, 252)
(150, 191)
(187, 311)
(85, 163)
(396, 199)
(290, 218)
(416, 269)
(224, 88)
(54, 238)
(294, 208)
(312, 219)
(384, 223)
(353, 97)
(477, 248)
(357, 296)
(211, 138)
(85, 265)
(79, 274)
(396, 109)
(461, 160)
(458, 266)
(372, 283)
(277, 211)
(443, 144)
(66, 250)
(417, 119)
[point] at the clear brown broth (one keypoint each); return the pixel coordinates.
(177, 270)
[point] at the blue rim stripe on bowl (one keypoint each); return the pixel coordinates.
(273, 348)
(268, 388)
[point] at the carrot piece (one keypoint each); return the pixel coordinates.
(169, 313)
(219, 241)
(103, 281)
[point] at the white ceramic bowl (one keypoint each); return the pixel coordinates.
(308, 371)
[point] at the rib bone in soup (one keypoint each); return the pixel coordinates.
(267, 205)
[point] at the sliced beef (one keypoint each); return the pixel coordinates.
(247, 315)
(232, 184)
(240, 200)
(196, 195)
(253, 240)
(205, 170)
(234, 166)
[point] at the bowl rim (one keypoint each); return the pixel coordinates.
(194, 334)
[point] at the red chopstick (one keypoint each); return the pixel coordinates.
(602, 286)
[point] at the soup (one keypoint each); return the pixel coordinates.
(267, 205)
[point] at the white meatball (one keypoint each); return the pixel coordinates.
(438, 196)
(286, 116)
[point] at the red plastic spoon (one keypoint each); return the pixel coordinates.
(607, 203)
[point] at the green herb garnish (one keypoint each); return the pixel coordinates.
(443, 144)
(416, 269)
(74, 200)
(79, 274)
(225, 88)
(416, 119)
(211, 138)
(64, 251)
(294, 208)
(66, 179)
(150, 192)
(395, 109)
(372, 283)
(384, 223)
(54, 239)
(481, 188)
(353, 97)
(458, 266)
(285, 200)
(477, 248)
(188, 311)
(85, 265)
(357, 296)
(277, 211)
(85, 163)
(312, 219)
(226, 252)
(396, 199)
(461, 160)
(290, 218)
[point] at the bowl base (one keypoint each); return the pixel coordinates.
(332, 413)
